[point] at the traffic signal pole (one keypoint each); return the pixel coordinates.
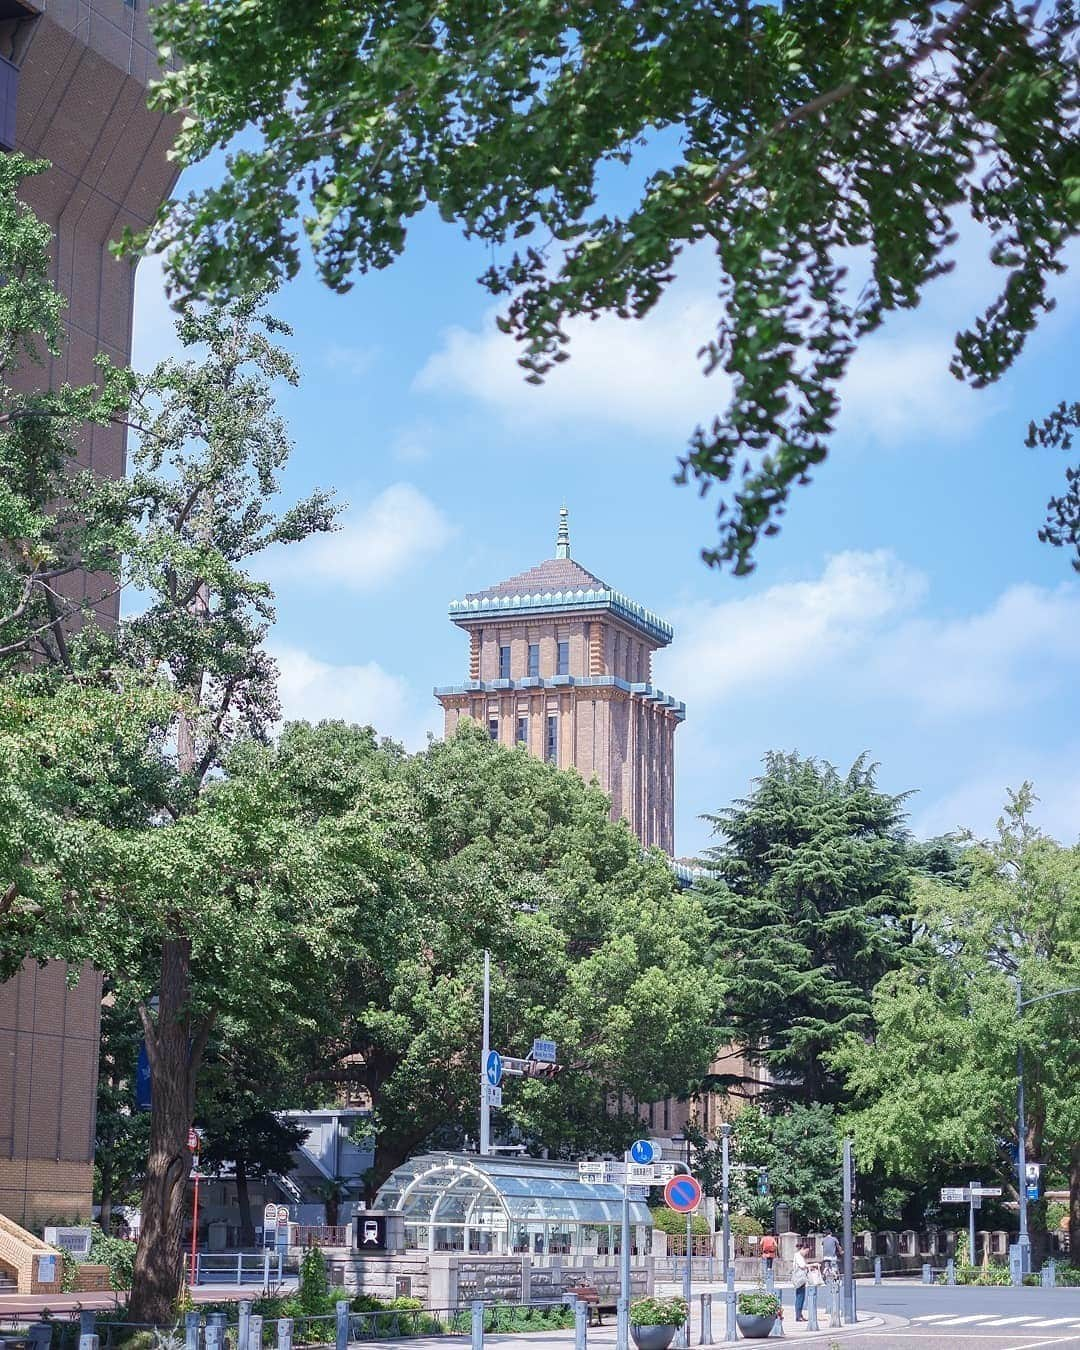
(725, 1192)
(485, 1104)
(849, 1252)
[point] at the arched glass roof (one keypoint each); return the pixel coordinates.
(438, 1191)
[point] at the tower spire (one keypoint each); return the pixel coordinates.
(562, 541)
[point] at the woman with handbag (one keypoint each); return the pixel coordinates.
(800, 1271)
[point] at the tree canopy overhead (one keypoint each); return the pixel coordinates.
(806, 138)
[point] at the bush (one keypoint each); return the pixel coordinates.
(116, 1253)
(314, 1298)
(69, 1271)
(667, 1221)
(1057, 1216)
(745, 1225)
(658, 1312)
(758, 1304)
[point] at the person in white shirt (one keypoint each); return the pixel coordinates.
(800, 1273)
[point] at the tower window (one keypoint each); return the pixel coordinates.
(504, 663)
(534, 659)
(563, 665)
(523, 731)
(493, 728)
(552, 748)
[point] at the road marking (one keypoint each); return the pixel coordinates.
(971, 1317)
(1004, 1321)
(1031, 1345)
(1042, 1322)
(931, 1317)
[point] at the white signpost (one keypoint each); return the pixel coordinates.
(971, 1195)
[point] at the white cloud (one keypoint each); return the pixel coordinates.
(1018, 650)
(642, 374)
(315, 690)
(354, 361)
(396, 530)
(790, 630)
(855, 624)
(976, 802)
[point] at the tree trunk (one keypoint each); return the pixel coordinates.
(174, 1054)
(243, 1201)
(106, 1170)
(1074, 1204)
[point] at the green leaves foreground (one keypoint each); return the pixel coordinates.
(793, 143)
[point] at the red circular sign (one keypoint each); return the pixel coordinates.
(682, 1194)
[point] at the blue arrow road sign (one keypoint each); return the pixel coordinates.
(493, 1068)
(642, 1151)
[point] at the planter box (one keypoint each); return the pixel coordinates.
(754, 1328)
(652, 1338)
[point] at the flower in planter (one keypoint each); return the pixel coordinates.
(658, 1312)
(759, 1304)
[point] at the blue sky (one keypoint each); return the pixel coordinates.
(906, 609)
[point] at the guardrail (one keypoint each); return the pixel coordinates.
(240, 1268)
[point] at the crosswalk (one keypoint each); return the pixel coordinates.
(1022, 1323)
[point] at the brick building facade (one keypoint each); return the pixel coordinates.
(73, 77)
(562, 664)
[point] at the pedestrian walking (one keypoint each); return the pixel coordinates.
(768, 1252)
(800, 1271)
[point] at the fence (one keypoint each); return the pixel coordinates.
(256, 1268)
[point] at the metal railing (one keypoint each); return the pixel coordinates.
(255, 1268)
(320, 1234)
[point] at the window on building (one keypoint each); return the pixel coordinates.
(534, 658)
(504, 663)
(667, 1114)
(493, 728)
(563, 665)
(551, 752)
(523, 731)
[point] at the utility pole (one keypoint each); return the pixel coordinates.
(1023, 1242)
(725, 1193)
(849, 1251)
(485, 1049)
(972, 1185)
(622, 1331)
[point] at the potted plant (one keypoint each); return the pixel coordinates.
(654, 1321)
(756, 1314)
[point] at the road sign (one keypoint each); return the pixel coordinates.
(516, 1067)
(640, 1174)
(985, 1190)
(682, 1194)
(282, 1214)
(663, 1172)
(493, 1068)
(602, 1171)
(193, 1141)
(954, 1195)
(543, 1051)
(637, 1192)
(493, 1095)
(643, 1151)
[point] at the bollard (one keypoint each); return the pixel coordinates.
(581, 1324)
(284, 1333)
(255, 1329)
(770, 1280)
(87, 1322)
(811, 1308)
(835, 1317)
(1053, 1273)
(731, 1332)
(191, 1331)
(706, 1320)
(877, 1269)
(477, 1325)
(950, 1271)
(731, 1277)
(217, 1319)
(88, 1343)
(215, 1334)
(244, 1307)
(341, 1339)
(927, 1273)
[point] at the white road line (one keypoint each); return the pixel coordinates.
(931, 1317)
(1032, 1345)
(971, 1317)
(1042, 1322)
(1004, 1321)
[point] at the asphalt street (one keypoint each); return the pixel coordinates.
(975, 1318)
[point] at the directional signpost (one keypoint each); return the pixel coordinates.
(971, 1195)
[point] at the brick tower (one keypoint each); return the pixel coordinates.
(562, 663)
(73, 77)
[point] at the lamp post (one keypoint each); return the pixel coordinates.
(1021, 1125)
(725, 1192)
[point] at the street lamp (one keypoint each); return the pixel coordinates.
(1021, 1126)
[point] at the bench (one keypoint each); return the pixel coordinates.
(590, 1296)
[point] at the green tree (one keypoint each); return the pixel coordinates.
(809, 912)
(591, 944)
(936, 1081)
(122, 1131)
(794, 143)
(55, 518)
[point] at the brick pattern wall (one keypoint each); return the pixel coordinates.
(21, 1252)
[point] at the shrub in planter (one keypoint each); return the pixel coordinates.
(654, 1321)
(756, 1313)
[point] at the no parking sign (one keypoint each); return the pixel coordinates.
(682, 1194)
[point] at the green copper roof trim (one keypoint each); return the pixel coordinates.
(550, 601)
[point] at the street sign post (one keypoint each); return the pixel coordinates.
(493, 1068)
(493, 1095)
(543, 1051)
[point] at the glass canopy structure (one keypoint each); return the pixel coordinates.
(467, 1203)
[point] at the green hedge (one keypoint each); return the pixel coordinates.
(667, 1221)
